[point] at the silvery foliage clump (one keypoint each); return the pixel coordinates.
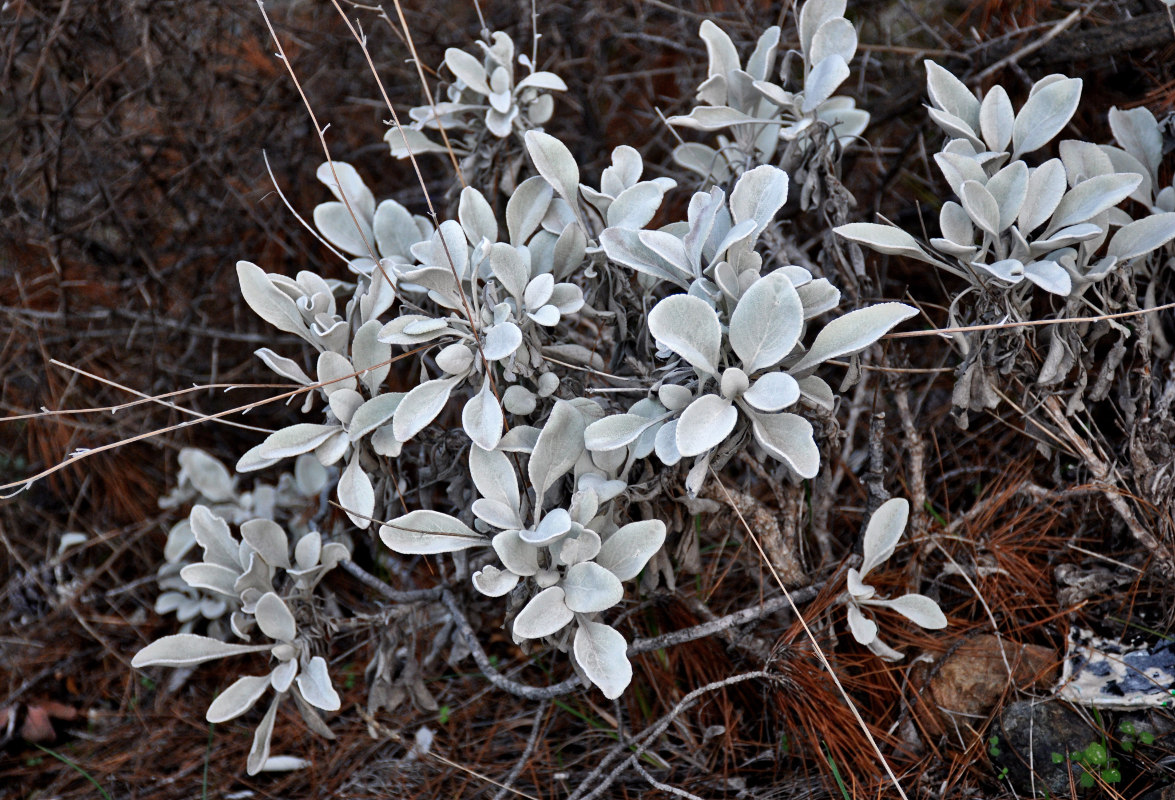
(733, 339)
(1057, 226)
(205, 481)
(564, 565)
(268, 580)
(491, 325)
(757, 113)
(882, 533)
(485, 98)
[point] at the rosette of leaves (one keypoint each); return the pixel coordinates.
(243, 572)
(741, 365)
(1016, 226)
(483, 97)
(758, 112)
(565, 565)
(882, 533)
(512, 292)
(203, 478)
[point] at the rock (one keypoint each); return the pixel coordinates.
(971, 679)
(1029, 732)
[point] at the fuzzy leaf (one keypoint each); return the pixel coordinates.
(554, 162)
(600, 652)
(758, 195)
(589, 588)
(259, 752)
(420, 407)
(274, 618)
(1142, 236)
(526, 208)
(1044, 114)
(705, 424)
(996, 119)
(482, 418)
(853, 332)
(615, 431)
(1091, 197)
(188, 649)
(425, 532)
(356, 494)
(559, 446)
(823, 80)
(494, 582)
(315, 686)
(917, 608)
(688, 326)
(238, 698)
(267, 301)
(864, 630)
(788, 438)
(476, 216)
(1046, 187)
(545, 614)
(626, 551)
(885, 528)
(269, 540)
(883, 239)
(766, 323)
(773, 391)
(494, 476)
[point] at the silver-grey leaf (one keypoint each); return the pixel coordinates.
(1142, 236)
(267, 301)
(1046, 187)
(269, 540)
(237, 698)
(766, 323)
(188, 649)
(952, 95)
(589, 588)
(1009, 187)
(980, 206)
(494, 476)
(482, 418)
(823, 80)
(420, 407)
(883, 239)
(545, 614)
(259, 752)
(688, 326)
(494, 582)
(853, 332)
(788, 437)
(996, 119)
(705, 424)
(1044, 114)
(1091, 197)
(559, 446)
(600, 651)
(526, 208)
(476, 216)
(885, 528)
(774, 391)
(615, 431)
(758, 195)
(274, 618)
(554, 162)
(315, 686)
(426, 532)
(356, 494)
(628, 550)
